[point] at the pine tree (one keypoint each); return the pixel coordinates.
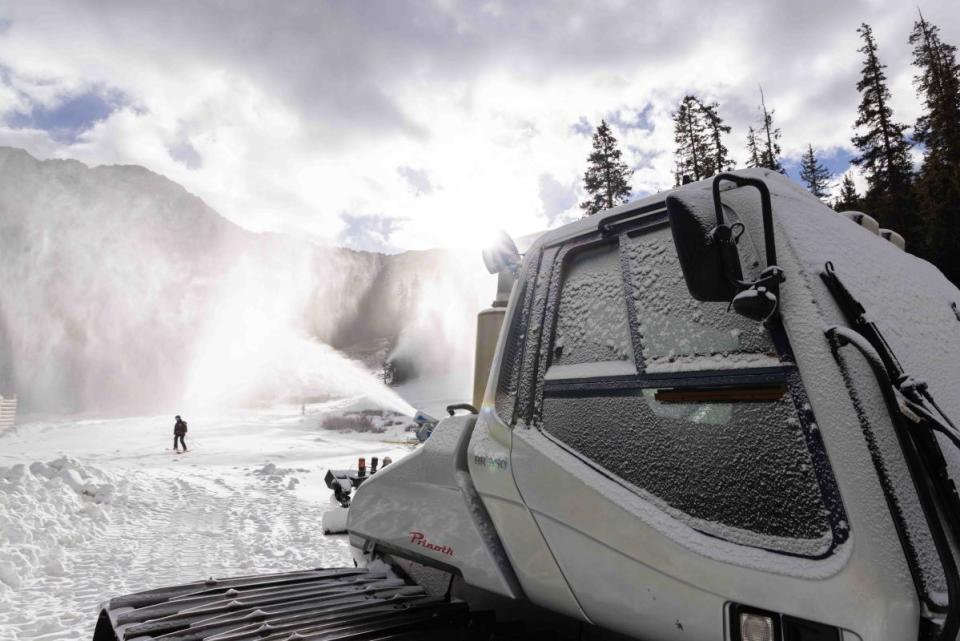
(717, 155)
(938, 130)
(814, 174)
(770, 142)
(884, 149)
(693, 140)
(753, 149)
(607, 177)
(938, 82)
(849, 199)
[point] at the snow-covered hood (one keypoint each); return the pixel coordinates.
(910, 300)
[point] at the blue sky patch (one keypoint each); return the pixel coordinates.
(582, 127)
(66, 121)
(640, 119)
(370, 233)
(836, 160)
(622, 120)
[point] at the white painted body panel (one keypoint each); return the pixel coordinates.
(630, 575)
(533, 561)
(488, 459)
(420, 505)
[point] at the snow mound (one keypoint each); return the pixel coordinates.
(45, 507)
(123, 514)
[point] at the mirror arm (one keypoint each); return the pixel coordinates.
(759, 300)
(766, 209)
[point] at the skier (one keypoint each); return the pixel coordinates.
(179, 431)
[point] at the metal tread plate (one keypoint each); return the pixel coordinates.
(342, 603)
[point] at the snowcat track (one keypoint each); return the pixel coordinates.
(344, 604)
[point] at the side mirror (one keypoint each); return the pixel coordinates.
(501, 254)
(760, 301)
(707, 251)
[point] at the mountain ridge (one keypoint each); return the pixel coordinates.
(112, 275)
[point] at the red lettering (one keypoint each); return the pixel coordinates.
(419, 538)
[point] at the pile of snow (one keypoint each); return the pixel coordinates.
(46, 509)
(123, 513)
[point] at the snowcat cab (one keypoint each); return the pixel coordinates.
(721, 412)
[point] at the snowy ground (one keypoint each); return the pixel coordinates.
(95, 508)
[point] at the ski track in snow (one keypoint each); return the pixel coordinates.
(163, 519)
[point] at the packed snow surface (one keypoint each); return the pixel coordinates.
(90, 509)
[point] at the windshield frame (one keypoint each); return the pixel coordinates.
(549, 282)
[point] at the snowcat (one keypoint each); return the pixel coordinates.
(722, 412)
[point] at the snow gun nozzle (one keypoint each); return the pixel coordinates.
(362, 467)
(425, 424)
(374, 461)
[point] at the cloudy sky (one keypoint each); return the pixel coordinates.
(393, 125)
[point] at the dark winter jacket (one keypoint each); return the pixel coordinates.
(180, 427)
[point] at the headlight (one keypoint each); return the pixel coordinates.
(752, 624)
(756, 627)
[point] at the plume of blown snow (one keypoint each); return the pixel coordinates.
(438, 339)
(255, 347)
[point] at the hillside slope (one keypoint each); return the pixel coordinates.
(122, 291)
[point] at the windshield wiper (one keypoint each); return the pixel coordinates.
(914, 394)
(916, 417)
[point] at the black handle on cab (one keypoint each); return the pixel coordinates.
(743, 181)
(452, 409)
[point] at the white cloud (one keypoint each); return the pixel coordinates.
(301, 117)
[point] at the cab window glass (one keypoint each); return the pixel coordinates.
(592, 316)
(739, 471)
(676, 331)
